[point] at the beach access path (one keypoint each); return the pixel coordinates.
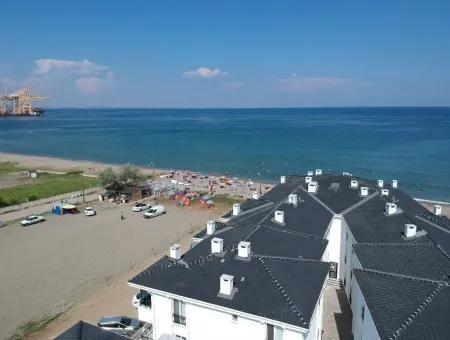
(49, 267)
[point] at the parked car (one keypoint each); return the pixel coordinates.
(120, 324)
(155, 211)
(141, 207)
(89, 211)
(33, 219)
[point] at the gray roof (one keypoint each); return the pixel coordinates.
(405, 308)
(267, 286)
(415, 260)
(85, 331)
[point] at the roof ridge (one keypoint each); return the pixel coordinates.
(407, 323)
(402, 276)
(293, 232)
(285, 258)
(283, 293)
(395, 244)
(447, 255)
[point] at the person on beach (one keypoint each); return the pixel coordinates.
(121, 216)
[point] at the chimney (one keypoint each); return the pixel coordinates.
(236, 209)
(175, 251)
(410, 230)
(210, 227)
(380, 183)
(293, 199)
(217, 245)
(312, 187)
(308, 179)
(390, 208)
(310, 173)
(255, 195)
(437, 209)
(354, 184)
(394, 183)
(364, 191)
(226, 284)
(384, 192)
(318, 172)
(283, 179)
(279, 216)
(244, 249)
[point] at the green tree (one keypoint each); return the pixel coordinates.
(109, 179)
(130, 175)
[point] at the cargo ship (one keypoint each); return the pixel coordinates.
(19, 103)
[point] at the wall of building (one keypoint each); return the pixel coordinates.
(316, 323)
(334, 251)
(361, 329)
(205, 323)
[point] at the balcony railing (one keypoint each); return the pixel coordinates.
(179, 319)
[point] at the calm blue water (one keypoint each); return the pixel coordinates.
(410, 144)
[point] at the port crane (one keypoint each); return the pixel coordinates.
(20, 103)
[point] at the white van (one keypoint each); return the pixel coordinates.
(155, 211)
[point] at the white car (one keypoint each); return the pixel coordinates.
(89, 211)
(141, 207)
(32, 220)
(155, 211)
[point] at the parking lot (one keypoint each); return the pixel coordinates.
(52, 265)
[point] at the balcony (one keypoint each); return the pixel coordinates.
(179, 319)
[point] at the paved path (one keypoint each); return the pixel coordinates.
(337, 316)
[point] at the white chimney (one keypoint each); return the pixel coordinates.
(217, 245)
(255, 195)
(312, 187)
(380, 183)
(390, 208)
(283, 179)
(364, 191)
(226, 284)
(236, 209)
(410, 230)
(279, 216)
(318, 172)
(384, 192)
(394, 183)
(293, 199)
(308, 179)
(437, 209)
(244, 249)
(210, 227)
(310, 173)
(354, 184)
(175, 251)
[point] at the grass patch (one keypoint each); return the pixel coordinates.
(30, 327)
(8, 167)
(46, 186)
(226, 200)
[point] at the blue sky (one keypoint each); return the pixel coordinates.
(228, 53)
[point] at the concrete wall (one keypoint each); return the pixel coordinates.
(206, 323)
(361, 329)
(334, 251)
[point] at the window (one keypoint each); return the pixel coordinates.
(351, 275)
(345, 282)
(274, 333)
(234, 317)
(345, 259)
(346, 236)
(362, 313)
(145, 299)
(179, 337)
(179, 312)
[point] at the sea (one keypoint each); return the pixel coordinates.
(410, 144)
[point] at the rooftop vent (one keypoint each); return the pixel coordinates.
(394, 183)
(318, 172)
(293, 199)
(236, 209)
(390, 208)
(312, 187)
(364, 191)
(346, 173)
(310, 173)
(410, 230)
(354, 184)
(283, 179)
(175, 251)
(217, 245)
(384, 192)
(380, 183)
(244, 249)
(279, 216)
(255, 195)
(226, 284)
(335, 186)
(210, 227)
(437, 209)
(308, 179)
